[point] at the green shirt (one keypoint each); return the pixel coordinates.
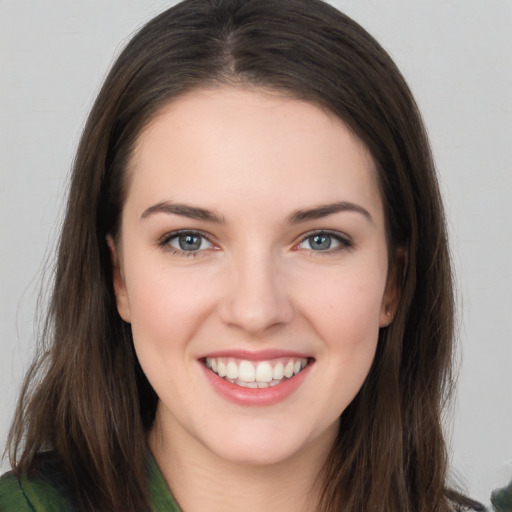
(44, 492)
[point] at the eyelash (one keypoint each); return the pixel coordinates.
(164, 242)
(344, 243)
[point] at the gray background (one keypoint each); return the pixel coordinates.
(457, 58)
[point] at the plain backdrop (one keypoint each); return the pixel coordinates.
(457, 58)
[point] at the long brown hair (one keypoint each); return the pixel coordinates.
(86, 397)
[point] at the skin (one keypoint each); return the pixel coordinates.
(253, 158)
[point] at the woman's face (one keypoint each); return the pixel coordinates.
(252, 266)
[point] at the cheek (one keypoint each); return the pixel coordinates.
(166, 306)
(347, 308)
(346, 319)
(166, 309)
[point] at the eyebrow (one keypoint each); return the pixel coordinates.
(183, 210)
(194, 212)
(325, 210)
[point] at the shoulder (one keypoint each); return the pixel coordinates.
(11, 494)
(42, 491)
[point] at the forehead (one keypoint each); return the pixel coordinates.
(229, 141)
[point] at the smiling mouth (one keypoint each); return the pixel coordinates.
(252, 374)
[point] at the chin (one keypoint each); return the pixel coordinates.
(268, 445)
(255, 453)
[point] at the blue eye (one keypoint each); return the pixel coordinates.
(323, 241)
(187, 241)
(320, 242)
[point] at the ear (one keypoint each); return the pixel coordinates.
(123, 306)
(393, 291)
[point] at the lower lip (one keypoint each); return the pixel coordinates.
(255, 397)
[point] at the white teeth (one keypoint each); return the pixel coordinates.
(246, 372)
(221, 369)
(255, 375)
(264, 372)
(232, 370)
(278, 371)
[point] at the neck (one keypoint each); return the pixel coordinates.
(200, 480)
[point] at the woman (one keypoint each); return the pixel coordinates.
(253, 295)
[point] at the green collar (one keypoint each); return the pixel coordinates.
(161, 497)
(45, 491)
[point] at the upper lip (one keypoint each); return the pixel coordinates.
(259, 355)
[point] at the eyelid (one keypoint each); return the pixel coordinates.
(164, 240)
(344, 240)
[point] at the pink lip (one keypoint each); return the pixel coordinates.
(262, 355)
(259, 396)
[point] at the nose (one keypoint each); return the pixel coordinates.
(256, 299)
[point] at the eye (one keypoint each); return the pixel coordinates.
(324, 241)
(186, 241)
